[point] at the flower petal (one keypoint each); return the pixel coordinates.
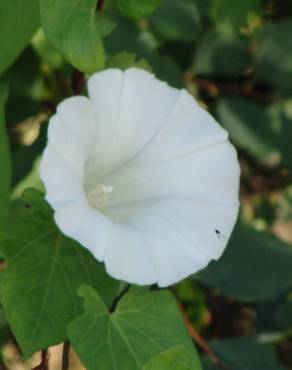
(126, 257)
(130, 107)
(208, 176)
(173, 175)
(86, 225)
(187, 129)
(171, 254)
(71, 130)
(62, 181)
(181, 236)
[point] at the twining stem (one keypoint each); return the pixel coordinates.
(44, 362)
(65, 355)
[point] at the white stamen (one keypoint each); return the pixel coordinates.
(100, 194)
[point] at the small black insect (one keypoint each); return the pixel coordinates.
(220, 236)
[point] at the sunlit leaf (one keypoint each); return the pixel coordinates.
(143, 324)
(127, 60)
(71, 27)
(175, 358)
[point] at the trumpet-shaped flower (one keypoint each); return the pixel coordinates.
(142, 176)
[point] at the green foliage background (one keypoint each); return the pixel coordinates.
(235, 57)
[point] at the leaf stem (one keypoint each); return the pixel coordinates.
(65, 355)
(44, 362)
(124, 290)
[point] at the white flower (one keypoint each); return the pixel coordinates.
(142, 176)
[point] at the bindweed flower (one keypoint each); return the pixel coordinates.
(142, 176)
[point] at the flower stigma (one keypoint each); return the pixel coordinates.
(99, 195)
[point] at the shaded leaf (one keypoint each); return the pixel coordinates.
(143, 324)
(136, 8)
(273, 54)
(218, 55)
(229, 16)
(284, 314)
(22, 75)
(5, 160)
(237, 273)
(167, 69)
(71, 27)
(264, 132)
(242, 353)
(24, 157)
(19, 19)
(175, 20)
(44, 269)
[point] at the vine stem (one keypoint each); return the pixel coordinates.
(200, 341)
(44, 362)
(77, 81)
(100, 5)
(65, 355)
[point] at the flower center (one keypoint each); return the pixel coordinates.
(99, 195)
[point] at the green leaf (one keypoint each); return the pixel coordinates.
(19, 19)
(229, 15)
(5, 160)
(31, 180)
(264, 132)
(273, 54)
(242, 353)
(22, 78)
(143, 324)
(126, 60)
(128, 37)
(45, 50)
(44, 269)
(216, 54)
(23, 158)
(136, 8)
(104, 24)
(71, 27)
(176, 20)
(167, 69)
(175, 358)
(283, 315)
(237, 273)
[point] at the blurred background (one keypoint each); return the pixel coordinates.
(235, 57)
